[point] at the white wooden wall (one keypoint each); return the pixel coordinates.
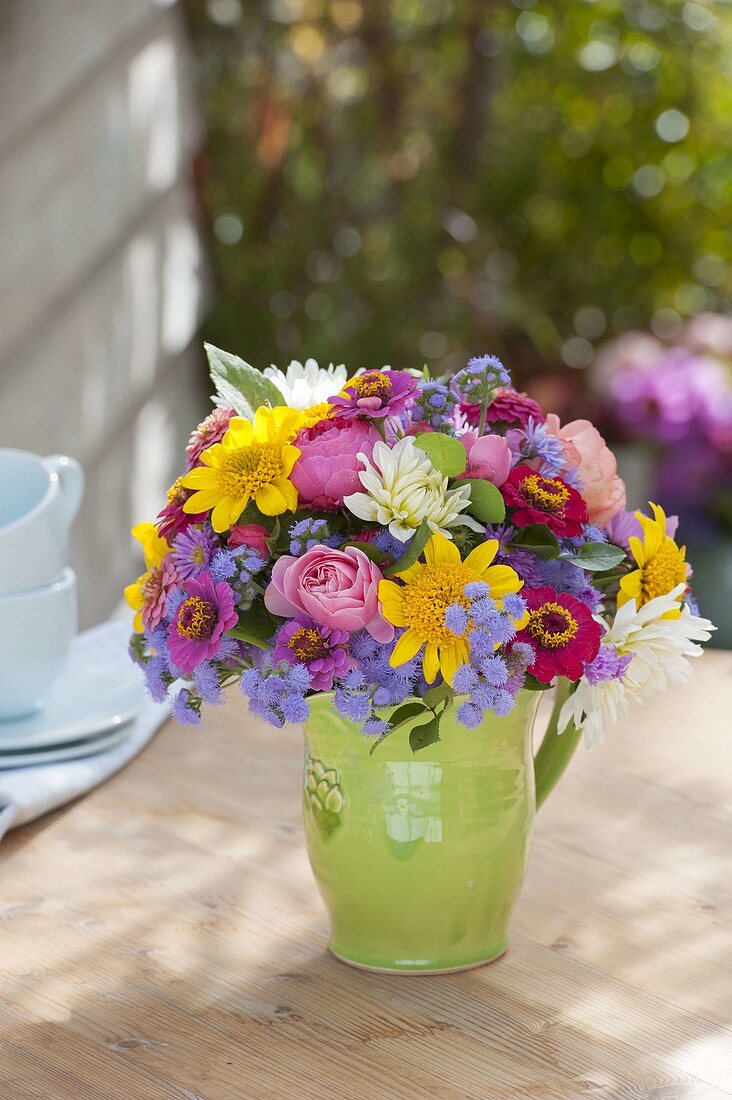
(101, 263)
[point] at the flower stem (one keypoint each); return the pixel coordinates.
(556, 749)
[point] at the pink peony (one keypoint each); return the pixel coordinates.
(334, 587)
(587, 452)
(327, 469)
(253, 535)
(488, 457)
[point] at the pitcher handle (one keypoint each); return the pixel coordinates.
(71, 476)
(557, 749)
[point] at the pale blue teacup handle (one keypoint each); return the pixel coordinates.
(71, 477)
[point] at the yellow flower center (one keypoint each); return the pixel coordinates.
(315, 413)
(546, 493)
(431, 593)
(373, 383)
(663, 572)
(196, 618)
(198, 556)
(552, 625)
(177, 493)
(307, 645)
(245, 470)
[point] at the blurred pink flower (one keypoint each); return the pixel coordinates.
(327, 469)
(488, 457)
(587, 452)
(253, 535)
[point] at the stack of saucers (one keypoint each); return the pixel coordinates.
(90, 708)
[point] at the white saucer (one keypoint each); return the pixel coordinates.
(86, 747)
(100, 690)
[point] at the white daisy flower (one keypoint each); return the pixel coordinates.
(303, 386)
(403, 488)
(658, 648)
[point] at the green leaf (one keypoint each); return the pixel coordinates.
(445, 453)
(399, 718)
(371, 551)
(255, 626)
(415, 546)
(486, 502)
(424, 735)
(539, 539)
(437, 694)
(238, 384)
(249, 636)
(597, 556)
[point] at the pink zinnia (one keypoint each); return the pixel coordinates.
(209, 431)
(562, 633)
(322, 649)
(202, 617)
(376, 394)
(507, 407)
(156, 587)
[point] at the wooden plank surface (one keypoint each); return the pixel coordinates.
(163, 937)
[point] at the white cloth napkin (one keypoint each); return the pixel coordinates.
(28, 793)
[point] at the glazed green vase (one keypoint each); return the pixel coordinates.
(420, 857)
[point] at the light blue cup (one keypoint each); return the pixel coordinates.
(36, 628)
(39, 499)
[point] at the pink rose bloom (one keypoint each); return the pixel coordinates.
(327, 469)
(587, 452)
(489, 457)
(338, 588)
(253, 535)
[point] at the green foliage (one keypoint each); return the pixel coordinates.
(415, 546)
(390, 182)
(539, 539)
(486, 502)
(445, 453)
(597, 556)
(242, 387)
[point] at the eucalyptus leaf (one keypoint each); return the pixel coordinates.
(240, 385)
(445, 453)
(486, 502)
(415, 546)
(597, 556)
(427, 734)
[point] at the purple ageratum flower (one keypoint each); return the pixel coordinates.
(434, 406)
(194, 635)
(607, 665)
(479, 380)
(193, 551)
(321, 649)
(376, 394)
(187, 708)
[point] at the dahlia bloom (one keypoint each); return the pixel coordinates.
(327, 470)
(507, 407)
(338, 588)
(303, 386)
(586, 451)
(322, 649)
(548, 500)
(202, 616)
(562, 633)
(403, 488)
(376, 394)
(209, 431)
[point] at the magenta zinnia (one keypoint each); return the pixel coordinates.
(205, 612)
(562, 633)
(322, 649)
(375, 394)
(549, 500)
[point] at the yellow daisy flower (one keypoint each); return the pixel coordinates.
(661, 563)
(428, 590)
(154, 549)
(253, 461)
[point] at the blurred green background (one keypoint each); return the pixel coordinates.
(399, 181)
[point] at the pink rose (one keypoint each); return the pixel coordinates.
(587, 452)
(327, 469)
(338, 588)
(488, 457)
(253, 535)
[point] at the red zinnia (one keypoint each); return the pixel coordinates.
(562, 633)
(548, 500)
(507, 407)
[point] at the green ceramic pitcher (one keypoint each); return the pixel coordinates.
(420, 857)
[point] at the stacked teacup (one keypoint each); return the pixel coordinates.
(39, 499)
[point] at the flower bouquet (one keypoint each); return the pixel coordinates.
(401, 563)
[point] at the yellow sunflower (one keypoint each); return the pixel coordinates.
(253, 461)
(428, 590)
(154, 549)
(661, 563)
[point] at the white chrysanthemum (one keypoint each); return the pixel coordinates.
(303, 386)
(403, 488)
(659, 649)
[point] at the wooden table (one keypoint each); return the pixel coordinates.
(163, 938)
